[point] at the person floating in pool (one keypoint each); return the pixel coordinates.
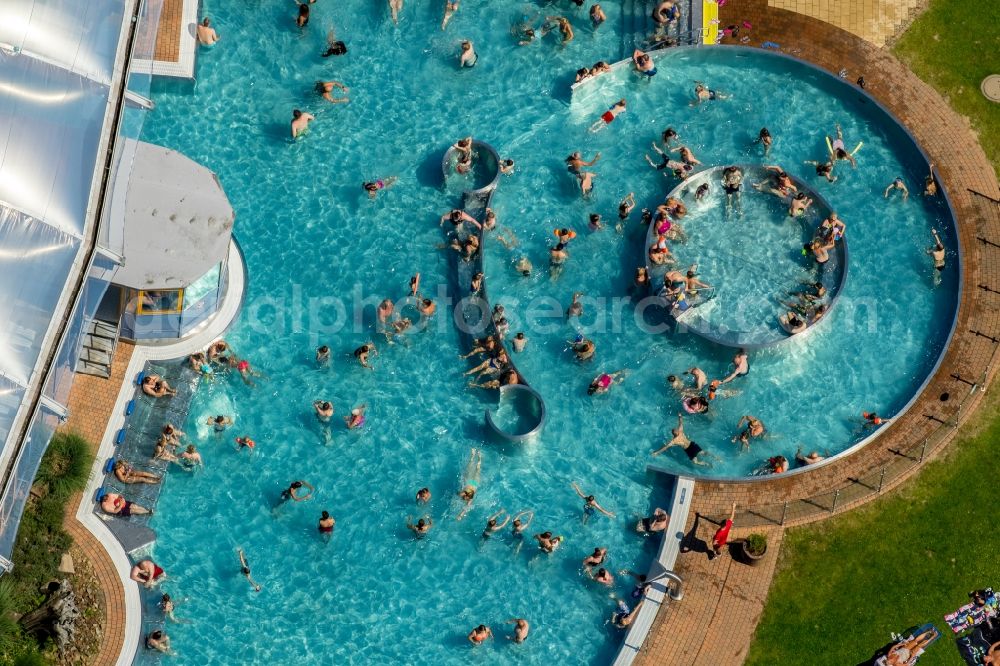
(764, 139)
(373, 187)
(325, 90)
(322, 355)
(334, 47)
(295, 493)
(696, 454)
(937, 253)
(517, 527)
(479, 635)
(494, 524)
(695, 404)
(421, 527)
(810, 459)
(732, 184)
(609, 116)
(325, 526)
(548, 543)
(245, 443)
(207, 36)
(703, 94)
(780, 183)
(245, 570)
(896, 184)
(603, 382)
(356, 418)
(302, 20)
(799, 204)
(643, 63)
(824, 169)
(449, 10)
(470, 481)
(838, 151)
(364, 354)
(575, 162)
(623, 616)
(597, 16)
(324, 410)
(521, 628)
(468, 56)
(395, 6)
(873, 420)
(655, 523)
(300, 122)
(930, 185)
(590, 505)
(741, 366)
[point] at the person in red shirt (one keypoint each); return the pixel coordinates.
(722, 535)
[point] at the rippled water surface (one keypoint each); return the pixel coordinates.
(316, 247)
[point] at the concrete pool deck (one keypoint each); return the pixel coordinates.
(724, 599)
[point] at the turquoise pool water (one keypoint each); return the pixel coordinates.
(316, 246)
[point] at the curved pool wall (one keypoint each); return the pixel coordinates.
(520, 397)
(694, 319)
(954, 247)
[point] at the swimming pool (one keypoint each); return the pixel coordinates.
(316, 247)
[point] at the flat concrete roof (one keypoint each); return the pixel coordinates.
(178, 221)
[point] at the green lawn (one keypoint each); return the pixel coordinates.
(953, 46)
(908, 558)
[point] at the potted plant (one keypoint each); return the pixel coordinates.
(754, 548)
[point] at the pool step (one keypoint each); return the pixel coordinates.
(97, 348)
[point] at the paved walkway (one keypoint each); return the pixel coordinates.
(715, 622)
(875, 21)
(91, 401)
(723, 600)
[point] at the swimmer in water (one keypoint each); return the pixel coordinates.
(565, 28)
(333, 46)
(695, 404)
(873, 420)
(755, 427)
(609, 116)
(364, 354)
(519, 342)
(741, 366)
(699, 376)
(643, 64)
(702, 191)
(147, 573)
(190, 458)
(245, 443)
(479, 635)
(468, 57)
(373, 187)
(603, 382)
(521, 628)
(507, 166)
(937, 252)
(458, 217)
(325, 89)
(470, 481)
(395, 6)
(325, 526)
(686, 155)
(492, 524)
(597, 16)
(695, 453)
(824, 169)
(764, 139)
(524, 266)
(838, 150)
(655, 523)
(602, 576)
(799, 204)
(703, 94)
(590, 505)
(623, 616)
(548, 543)
(625, 209)
(300, 122)
(575, 162)
(897, 184)
(930, 185)
(810, 459)
(245, 570)
(322, 355)
(356, 418)
(207, 36)
(324, 410)
(421, 527)
(732, 183)
(575, 308)
(302, 20)
(518, 526)
(586, 180)
(449, 10)
(294, 492)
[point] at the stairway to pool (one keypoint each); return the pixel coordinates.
(638, 26)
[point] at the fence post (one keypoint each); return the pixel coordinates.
(923, 450)
(784, 511)
(881, 479)
(836, 496)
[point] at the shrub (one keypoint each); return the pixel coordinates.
(755, 544)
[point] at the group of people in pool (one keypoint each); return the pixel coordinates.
(592, 565)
